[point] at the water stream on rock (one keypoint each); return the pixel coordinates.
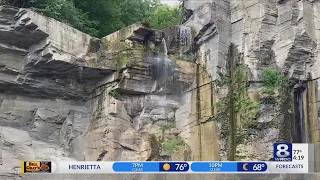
(163, 47)
(185, 37)
(165, 69)
(80, 64)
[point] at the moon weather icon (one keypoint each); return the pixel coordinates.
(245, 166)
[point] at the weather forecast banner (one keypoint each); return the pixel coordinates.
(288, 158)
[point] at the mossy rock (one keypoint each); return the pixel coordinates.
(93, 45)
(105, 44)
(171, 144)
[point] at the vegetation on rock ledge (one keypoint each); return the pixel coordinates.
(170, 144)
(237, 113)
(114, 93)
(271, 79)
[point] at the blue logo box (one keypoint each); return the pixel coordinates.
(282, 152)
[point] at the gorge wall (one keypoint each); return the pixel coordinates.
(142, 94)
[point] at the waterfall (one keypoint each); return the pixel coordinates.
(163, 47)
(185, 39)
(165, 69)
(185, 36)
(80, 64)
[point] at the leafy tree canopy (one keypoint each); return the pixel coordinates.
(102, 17)
(165, 16)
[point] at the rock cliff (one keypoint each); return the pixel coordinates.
(68, 96)
(196, 92)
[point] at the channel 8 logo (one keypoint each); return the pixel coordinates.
(282, 151)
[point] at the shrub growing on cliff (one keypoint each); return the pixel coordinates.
(171, 144)
(114, 93)
(271, 79)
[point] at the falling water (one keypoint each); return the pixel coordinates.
(165, 69)
(185, 39)
(162, 67)
(81, 63)
(163, 47)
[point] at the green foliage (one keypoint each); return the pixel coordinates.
(114, 15)
(64, 11)
(18, 3)
(170, 144)
(114, 93)
(141, 11)
(165, 16)
(102, 17)
(221, 105)
(271, 80)
(95, 17)
(246, 110)
(222, 80)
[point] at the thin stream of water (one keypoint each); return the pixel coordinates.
(165, 70)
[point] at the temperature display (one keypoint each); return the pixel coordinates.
(140, 167)
(174, 166)
(297, 155)
(252, 166)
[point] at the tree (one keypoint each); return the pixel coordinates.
(61, 10)
(137, 10)
(102, 17)
(65, 11)
(105, 12)
(114, 15)
(165, 16)
(17, 3)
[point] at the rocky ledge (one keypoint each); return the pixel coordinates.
(65, 95)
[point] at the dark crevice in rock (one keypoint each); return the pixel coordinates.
(282, 1)
(202, 32)
(101, 155)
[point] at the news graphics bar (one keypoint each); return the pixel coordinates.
(288, 158)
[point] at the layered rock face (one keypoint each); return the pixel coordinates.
(282, 35)
(68, 96)
(141, 94)
(266, 34)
